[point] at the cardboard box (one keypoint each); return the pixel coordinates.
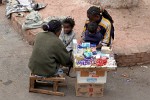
(91, 77)
(92, 73)
(89, 90)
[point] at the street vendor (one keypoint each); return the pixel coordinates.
(104, 22)
(48, 51)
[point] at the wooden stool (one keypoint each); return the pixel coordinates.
(57, 81)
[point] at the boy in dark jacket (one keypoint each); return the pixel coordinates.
(92, 35)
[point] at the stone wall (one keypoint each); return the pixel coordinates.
(133, 59)
(115, 3)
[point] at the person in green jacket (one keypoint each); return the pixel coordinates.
(48, 51)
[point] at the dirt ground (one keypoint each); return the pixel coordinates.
(131, 25)
(125, 84)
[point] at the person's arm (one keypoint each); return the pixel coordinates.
(82, 35)
(99, 46)
(107, 35)
(62, 56)
(83, 38)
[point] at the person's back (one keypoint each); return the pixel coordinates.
(48, 53)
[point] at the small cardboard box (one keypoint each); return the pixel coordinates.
(91, 77)
(89, 90)
(92, 73)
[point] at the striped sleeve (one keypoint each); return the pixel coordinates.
(107, 25)
(107, 37)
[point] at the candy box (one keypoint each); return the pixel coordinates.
(85, 62)
(86, 45)
(88, 55)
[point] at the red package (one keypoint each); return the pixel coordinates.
(104, 60)
(101, 61)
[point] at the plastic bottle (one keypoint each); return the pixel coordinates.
(75, 46)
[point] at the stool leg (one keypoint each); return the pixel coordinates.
(55, 87)
(31, 84)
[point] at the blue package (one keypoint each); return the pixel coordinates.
(91, 80)
(79, 46)
(94, 53)
(93, 45)
(86, 45)
(88, 55)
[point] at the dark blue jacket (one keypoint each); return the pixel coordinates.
(93, 38)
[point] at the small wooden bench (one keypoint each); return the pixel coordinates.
(57, 81)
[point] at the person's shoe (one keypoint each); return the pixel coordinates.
(65, 69)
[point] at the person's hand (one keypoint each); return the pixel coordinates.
(99, 47)
(80, 41)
